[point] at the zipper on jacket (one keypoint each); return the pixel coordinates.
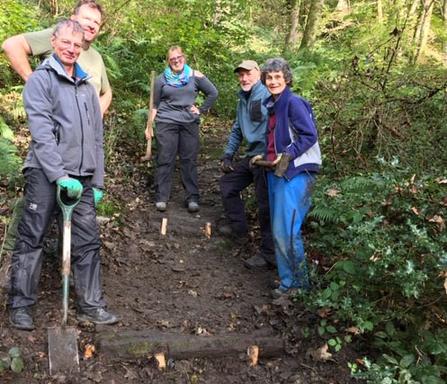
(86, 112)
(82, 130)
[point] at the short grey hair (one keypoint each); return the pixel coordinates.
(278, 64)
(69, 23)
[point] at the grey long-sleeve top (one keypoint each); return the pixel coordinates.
(173, 104)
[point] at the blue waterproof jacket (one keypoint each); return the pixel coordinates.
(251, 122)
(295, 132)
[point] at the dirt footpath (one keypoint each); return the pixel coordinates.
(183, 284)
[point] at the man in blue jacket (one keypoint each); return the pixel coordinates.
(67, 150)
(251, 125)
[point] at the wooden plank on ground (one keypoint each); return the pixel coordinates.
(135, 344)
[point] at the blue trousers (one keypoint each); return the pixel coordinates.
(289, 203)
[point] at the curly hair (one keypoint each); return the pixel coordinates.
(278, 64)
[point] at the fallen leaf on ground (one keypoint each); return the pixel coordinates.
(89, 349)
(320, 353)
(354, 330)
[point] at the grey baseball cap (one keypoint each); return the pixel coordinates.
(247, 65)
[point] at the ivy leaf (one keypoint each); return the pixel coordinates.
(389, 327)
(331, 329)
(349, 267)
(407, 360)
(381, 335)
(17, 364)
(435, 346)
(390, 359)
(15, 352)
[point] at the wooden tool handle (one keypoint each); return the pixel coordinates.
(149, 120)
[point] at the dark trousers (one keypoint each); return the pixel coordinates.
(231, 185)
(173, 139)
(40, 204)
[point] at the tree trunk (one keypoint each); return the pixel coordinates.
(380, 12)
(54, 7)
(444, 23)
(313, 20)
(423, 29)
(343, 6)
(292, 34)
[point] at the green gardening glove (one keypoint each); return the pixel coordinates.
(97, 195)
(74, 187)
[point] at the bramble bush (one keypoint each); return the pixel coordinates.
(383, 233)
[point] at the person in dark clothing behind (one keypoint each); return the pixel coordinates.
(251, 126)
(292, 145)
(66, 150)
(177, 121)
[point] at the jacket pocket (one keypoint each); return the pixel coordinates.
(57, 133)
(87, 113)
(256, 111)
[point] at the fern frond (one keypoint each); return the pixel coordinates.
(326, 214)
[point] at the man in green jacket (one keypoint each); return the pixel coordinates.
(89, 14)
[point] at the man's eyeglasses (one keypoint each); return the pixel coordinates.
(177, 58)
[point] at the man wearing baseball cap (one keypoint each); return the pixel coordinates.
(251, 125)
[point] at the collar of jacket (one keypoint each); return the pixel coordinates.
(54, 63)
(254, 91)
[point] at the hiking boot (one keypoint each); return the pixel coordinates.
(193, 207)
(226, 230)
(280, 293)
(161, 206)
(256, 262)
(98, 316)
(21, 318)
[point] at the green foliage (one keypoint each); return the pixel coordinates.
(13, 360)
(8, 152)
(15, 17)
(388, 255)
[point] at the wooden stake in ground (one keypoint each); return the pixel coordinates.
(253, 352)
(164, 226)
(161, 360)
(208, 230)
(149, 124)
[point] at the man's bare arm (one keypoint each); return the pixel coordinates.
(17, 51)
(104, 101)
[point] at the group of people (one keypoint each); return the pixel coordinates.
(65, 99)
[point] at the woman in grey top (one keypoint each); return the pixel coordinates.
(177, 121)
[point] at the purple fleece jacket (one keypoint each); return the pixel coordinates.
(295, 132)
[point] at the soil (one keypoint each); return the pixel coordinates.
(179, 283)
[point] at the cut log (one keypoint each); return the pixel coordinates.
(135, 344)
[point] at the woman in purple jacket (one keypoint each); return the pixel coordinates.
(292, 145)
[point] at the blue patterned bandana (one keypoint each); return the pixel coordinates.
(180, 80)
